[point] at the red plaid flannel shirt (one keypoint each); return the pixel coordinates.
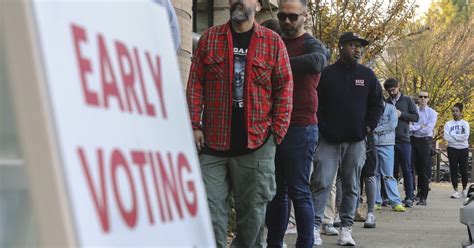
(268, 87)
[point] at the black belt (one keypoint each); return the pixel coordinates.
(422, 138)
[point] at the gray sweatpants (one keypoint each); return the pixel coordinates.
(349, 158)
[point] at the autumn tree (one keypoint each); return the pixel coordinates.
(379, 21)
(438, 59)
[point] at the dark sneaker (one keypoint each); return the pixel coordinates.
(408, 203)
(422, 202)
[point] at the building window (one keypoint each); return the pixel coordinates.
(202, 15)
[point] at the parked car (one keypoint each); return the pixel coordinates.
(467, 216)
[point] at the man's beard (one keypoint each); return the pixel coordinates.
(238, 13)
(351, 60)
(289, 31)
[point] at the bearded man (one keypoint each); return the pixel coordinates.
(239, 95)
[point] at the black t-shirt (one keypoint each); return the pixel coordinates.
(238, 133)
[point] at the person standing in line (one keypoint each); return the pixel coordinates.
(173, 21)
(330, 213)
(422, 133)
(274, 25)
(350, 105)
(294, 156)
(384, 140)
(406, 112)
(456, 133)
(239, 94)
(368, 178)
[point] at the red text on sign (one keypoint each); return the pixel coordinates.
(121, 89)
(172, 186)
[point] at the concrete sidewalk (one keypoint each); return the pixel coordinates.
(434, 225)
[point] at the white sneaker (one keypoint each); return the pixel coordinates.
(345, 237)
(317, 237)
(337, 221)
(370, 221)
(456, 195)
(291, 229)
(330, 230)
(464, 193)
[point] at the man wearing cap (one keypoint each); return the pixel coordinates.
(350, 105)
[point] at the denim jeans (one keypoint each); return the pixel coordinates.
(384, 170)
(403, 160)
(293, 161)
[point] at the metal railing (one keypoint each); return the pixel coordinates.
(441, 158)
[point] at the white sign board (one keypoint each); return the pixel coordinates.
(122, 125)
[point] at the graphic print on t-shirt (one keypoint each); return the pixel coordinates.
(457, 129)
(240, 57)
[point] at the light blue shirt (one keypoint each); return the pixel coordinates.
(425, 125)
(173, 21)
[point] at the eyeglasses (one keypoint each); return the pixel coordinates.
(422, 96)
(292, 17)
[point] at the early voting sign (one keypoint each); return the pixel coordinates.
(121, 124)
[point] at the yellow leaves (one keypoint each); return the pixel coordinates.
(376, 20)
(440, 61)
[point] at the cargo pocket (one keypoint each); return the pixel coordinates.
(266, 185)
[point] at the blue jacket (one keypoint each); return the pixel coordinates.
(384, 133)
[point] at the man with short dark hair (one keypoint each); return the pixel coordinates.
(407, 112)
(294, 156)
(350, 105)
(239, 94)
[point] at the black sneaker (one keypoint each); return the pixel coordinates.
(408, 203)
(422, 202)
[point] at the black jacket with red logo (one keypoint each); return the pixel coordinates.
(350, 100)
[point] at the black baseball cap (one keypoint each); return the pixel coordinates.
(350, 36)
